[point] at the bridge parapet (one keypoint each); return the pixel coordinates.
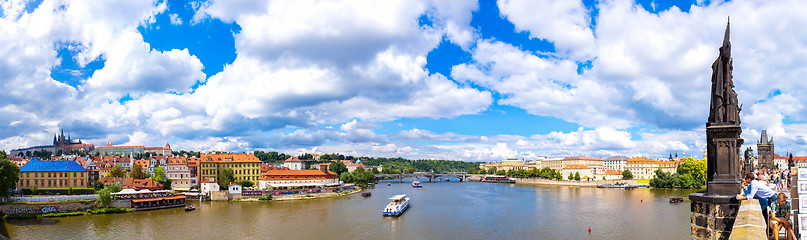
(749, 223)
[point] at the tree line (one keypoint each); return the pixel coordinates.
(689, 174)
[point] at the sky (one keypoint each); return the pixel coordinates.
(458, 80)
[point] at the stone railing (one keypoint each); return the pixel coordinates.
(749, 223)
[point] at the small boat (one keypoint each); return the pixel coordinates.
(190, 208)
(416, 184)
(388, 184)
(676, 199)
(366, 194)
(397, 206)
(617, 185)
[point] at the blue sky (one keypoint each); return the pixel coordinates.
(462, 80)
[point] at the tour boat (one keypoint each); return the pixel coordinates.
(366, 194)
(397, 206)
(416, 184)
(497, 179)
(190, 208)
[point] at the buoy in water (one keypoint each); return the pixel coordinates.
(589, 229)
(641, 200)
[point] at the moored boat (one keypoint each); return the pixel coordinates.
(676, 199)
(617, 185)
(366, 194)
(397, 206)
(497, 179)
(416, 184)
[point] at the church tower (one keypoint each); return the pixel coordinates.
(765, 151)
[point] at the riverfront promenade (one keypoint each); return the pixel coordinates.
(542, 181)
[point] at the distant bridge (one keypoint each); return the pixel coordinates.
(463, 176)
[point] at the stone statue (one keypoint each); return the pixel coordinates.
(724, 107)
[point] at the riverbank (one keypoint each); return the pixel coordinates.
(66, 214)
(541, 181)
(303, 197)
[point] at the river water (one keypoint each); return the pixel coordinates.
(442, 210)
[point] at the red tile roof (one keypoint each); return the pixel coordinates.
(147, 183)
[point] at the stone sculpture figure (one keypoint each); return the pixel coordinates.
(724, 107)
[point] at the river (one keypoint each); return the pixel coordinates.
(443, 210)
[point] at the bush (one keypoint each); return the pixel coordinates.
(266, 197)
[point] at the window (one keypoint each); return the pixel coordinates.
(27, 183)
(74, 182)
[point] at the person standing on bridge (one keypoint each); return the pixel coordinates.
(759, 190)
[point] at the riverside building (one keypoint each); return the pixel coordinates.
(245, 166)
(52, 174)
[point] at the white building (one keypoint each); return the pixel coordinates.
(583, 170)
(209, 185)
(615, 162)
(608, 174)
(234, 188)
(293, 163)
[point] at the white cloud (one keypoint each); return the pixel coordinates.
(175, 19)
(562, 22)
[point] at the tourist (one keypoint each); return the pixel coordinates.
(781, 210)
(759, 190)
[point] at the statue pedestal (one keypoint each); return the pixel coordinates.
(723, 176)
(712, 216)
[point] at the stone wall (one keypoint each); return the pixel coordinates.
(712, 217)
(46, 207)
(220, 196)
(121, 203)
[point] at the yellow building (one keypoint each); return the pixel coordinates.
(245, 166)
(642, 168)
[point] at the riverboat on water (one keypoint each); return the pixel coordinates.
(617, 185)
(366, 194)
(497, 179)
(397, 206)
(190, 208)
(416, 184)
(676, 199)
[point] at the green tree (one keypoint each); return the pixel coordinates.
(338, 168)
(9, 175)
(375, 170)
(105, 195)
(501, 172)
(697, 169)
(225, 177)
(159, 174)
(558, 176)
(117, 172)
(662, 179)
(571, 177)
(245, 183)
(492, 170)
(137, 172)
(627, 174)
(577, 176)
(346, 177)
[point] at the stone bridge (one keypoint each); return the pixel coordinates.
(463, 176)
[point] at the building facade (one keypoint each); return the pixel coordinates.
(52, 174)
(177, 170)
(298, 179)
(294, 164)
(245, 166)
(615, 162)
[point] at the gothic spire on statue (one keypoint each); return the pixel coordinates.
(723, 128)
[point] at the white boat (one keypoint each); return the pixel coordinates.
(397, 206)
(416, 184)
